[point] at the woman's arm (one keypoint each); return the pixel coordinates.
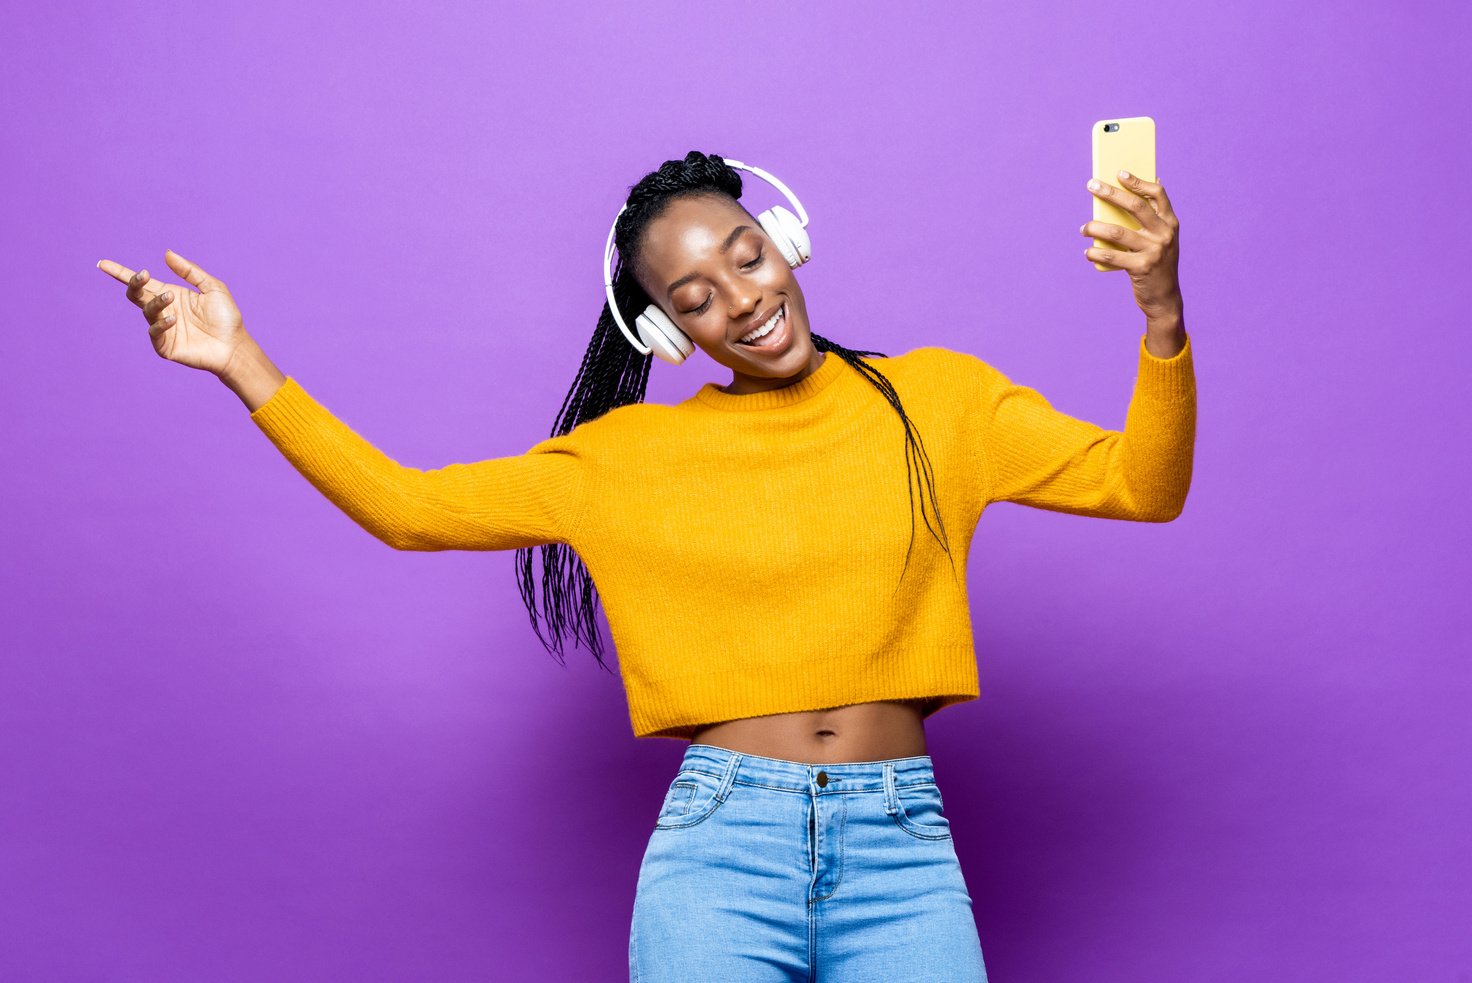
(1035, 455)
(497, 504)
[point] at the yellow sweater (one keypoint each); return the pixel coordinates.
(747, 549)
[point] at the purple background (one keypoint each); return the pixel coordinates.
(242, 740)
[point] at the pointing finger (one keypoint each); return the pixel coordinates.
(115, 270)
(141, 287)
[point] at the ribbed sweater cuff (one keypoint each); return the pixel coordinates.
(287, 411)
(1171, 379)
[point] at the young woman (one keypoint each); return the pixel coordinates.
(755, 546)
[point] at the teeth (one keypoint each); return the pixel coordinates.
(762, 331)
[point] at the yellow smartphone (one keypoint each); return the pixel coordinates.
(1120, 143)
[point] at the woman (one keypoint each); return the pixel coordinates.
(755, 546)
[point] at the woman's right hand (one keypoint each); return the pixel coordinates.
(200, 329)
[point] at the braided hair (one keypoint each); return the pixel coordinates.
(613, 373)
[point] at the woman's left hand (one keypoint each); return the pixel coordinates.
(1150, 254)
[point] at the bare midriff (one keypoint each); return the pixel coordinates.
(856, 732)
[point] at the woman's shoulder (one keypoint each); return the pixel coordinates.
(622, 421)
(613, 436)
(932, 361)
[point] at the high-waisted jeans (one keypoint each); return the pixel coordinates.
(766, 870)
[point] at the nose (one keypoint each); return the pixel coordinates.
(743, 309)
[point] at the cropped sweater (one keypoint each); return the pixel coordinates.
(750, 550)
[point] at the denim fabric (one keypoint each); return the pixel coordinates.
(762, 869)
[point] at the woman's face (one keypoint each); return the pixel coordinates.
(715, 272)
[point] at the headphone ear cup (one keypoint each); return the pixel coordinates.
(660, 333)
(785, 229)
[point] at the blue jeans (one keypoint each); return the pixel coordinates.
(762, 869)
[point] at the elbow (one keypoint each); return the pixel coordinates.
(402, 537)
(1161, 501)
(409, 541)
(392, 538)
(1168, 515)
(1170, 511)
(403, 531)
(1144, 508)
(1151, 503)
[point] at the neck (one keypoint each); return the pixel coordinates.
(742, 384)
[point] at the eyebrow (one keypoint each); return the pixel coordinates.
(726, 245)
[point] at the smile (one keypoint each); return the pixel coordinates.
(771, 335)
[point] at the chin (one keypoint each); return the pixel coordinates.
(794, 360)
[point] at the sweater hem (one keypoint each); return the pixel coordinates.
(675, 706)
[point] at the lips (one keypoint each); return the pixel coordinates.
(756, 322)
(777, 341)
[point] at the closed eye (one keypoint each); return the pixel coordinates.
(745, 266)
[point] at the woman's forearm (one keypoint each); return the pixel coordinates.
(252, 376)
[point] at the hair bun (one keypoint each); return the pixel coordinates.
(696, 172)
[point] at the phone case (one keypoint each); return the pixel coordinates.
(1132, 147)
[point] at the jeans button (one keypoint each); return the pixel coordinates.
(822, 779)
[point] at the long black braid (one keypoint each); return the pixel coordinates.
(614, 374)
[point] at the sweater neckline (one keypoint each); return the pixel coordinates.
(820, 379)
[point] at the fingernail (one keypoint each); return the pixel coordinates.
(1124, 174)
(1094, 185)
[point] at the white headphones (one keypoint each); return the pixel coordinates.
(656, 331)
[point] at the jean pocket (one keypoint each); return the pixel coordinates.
(921, 812)
(691, 798)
